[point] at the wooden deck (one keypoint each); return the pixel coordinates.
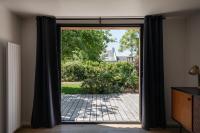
(100, 108)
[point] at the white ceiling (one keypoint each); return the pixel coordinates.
(74, 8)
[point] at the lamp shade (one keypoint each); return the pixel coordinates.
(194, 70)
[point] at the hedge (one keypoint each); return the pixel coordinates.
(101, 77)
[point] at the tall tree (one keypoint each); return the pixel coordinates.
(84, 44)
(130, 41)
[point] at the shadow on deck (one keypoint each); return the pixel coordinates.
(100, 108)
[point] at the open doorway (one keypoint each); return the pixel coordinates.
(100, 74)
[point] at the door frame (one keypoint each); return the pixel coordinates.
(141, 26)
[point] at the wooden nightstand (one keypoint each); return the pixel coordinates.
(186, 107)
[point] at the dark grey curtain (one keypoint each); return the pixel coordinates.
(46, 105)
(153, 105)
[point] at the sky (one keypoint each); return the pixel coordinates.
(117, 34)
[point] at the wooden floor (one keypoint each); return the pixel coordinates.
(98, 128)
(100, 108)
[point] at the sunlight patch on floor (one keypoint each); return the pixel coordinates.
(122, 125)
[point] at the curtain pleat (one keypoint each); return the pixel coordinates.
(46, 106)
(153, 105)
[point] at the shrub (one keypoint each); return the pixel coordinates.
(110, 78)
(102, 82)
(73, 71)
(102, 77)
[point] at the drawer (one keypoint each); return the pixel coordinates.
(182, 108)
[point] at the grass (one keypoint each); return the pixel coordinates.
(71, 88)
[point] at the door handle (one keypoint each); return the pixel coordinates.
(189, 99)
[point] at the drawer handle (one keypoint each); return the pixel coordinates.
(189, 99)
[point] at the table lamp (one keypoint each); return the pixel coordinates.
(195, 71)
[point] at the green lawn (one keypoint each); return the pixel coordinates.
(71, 88)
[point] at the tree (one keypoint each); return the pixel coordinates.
(84, 44)
(130, 41)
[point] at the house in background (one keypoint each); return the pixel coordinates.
(122, 58)
(110, 56)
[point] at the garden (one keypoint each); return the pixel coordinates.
(98, 77)
(84, 70)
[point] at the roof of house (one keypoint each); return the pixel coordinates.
(122, 58)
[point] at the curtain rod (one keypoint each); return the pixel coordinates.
(100, 18)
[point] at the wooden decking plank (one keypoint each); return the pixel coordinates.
(64, 102)
(115, 109)
(134, 98)
(67, 105)
(93, 114)
(104, 109)
(63, 99)
(99, 110)
(101, 101)
(100, 107)
(128, 106)
(83, 107)
(135, 102)
(67, 113)
(110, 108)
(107, 106)
(128, 114)
(121, 108)
(121, 111)
(88, 109)
(80, 110)
(134, 105)
(73, 108)
(91, 109)
(77, 109)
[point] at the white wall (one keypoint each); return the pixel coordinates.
(193, 48)
(181, 52)
(174, 45)
(28, 67)
(10, 30)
